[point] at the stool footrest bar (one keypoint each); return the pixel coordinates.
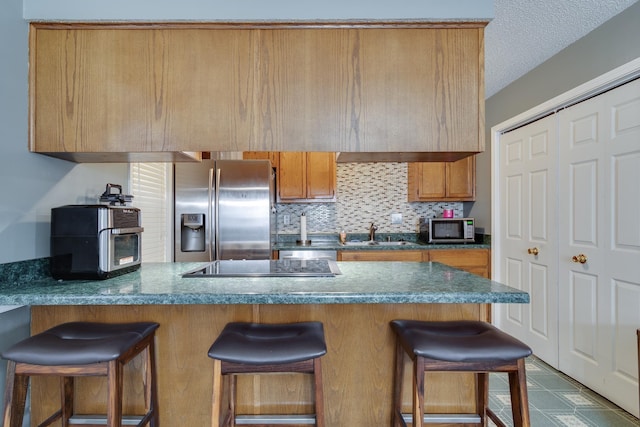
(80, 420)
(275, 419)
(444, 418)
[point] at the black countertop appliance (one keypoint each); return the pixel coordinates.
(95, 241)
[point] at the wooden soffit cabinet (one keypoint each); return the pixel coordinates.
(114, 89)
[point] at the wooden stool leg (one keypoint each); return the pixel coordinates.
(319, 404)
(418, 391)
(216, 399)
(398, 379)
(114, 394)
(66, 399)
(150, 385)
(15, 395)
(482, 396)
(519, 396)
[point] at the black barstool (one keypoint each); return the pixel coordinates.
(82, 349)
(467, 346)
(258, 348)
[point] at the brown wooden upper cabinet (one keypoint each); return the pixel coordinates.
(149, 87)
(307, 177)
(442, 181)
(113, 89)
(302, 177)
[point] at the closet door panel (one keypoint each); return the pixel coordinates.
(581, 292)
(599, 243)
(622, 115)
(528, 244)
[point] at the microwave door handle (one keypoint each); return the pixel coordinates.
(210, 225)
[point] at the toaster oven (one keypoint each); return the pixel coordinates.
(95, 241)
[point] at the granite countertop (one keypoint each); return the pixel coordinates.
(357, 242)
(380, 246)
(360, 283)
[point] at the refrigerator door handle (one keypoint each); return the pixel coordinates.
(210, 225)
(217, 212)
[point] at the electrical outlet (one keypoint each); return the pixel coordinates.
(396, 218)
(287, 219)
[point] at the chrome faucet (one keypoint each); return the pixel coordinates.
(372, 232)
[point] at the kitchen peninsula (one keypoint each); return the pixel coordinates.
(355, 308)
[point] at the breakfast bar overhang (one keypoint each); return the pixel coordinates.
(355, 308)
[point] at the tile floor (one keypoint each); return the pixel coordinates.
(557, 400)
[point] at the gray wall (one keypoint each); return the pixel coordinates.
(273, 10)
(33, 183)
(611, 45)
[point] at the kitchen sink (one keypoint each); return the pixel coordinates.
(324, 243)
(370, 243)
(396, 243)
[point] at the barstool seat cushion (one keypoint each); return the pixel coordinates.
(459, 341)
(79, 343)
(269, 344)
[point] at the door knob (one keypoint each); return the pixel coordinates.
(533, 251)
(581, 258)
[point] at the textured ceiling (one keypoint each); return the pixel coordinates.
(525, 33)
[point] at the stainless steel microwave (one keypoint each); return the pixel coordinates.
(452, 230)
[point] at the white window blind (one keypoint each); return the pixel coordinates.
(150, 187)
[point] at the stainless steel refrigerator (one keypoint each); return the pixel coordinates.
(224, 209)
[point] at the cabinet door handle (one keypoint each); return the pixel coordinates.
(533, 251)
(581, 258)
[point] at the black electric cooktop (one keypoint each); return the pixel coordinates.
(267, 268)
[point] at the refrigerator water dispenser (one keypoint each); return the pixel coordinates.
(192, 233)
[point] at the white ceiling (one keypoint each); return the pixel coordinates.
(525, 33)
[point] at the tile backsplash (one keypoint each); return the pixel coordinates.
(366, 193)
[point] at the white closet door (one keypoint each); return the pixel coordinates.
(599, 295)
(528, 234)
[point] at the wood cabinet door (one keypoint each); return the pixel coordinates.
(442, 181)
(292, 175)
(421, 90)
(461, 179)
(427, 181)
(321, 175)
(306, 177)
(129, 90)
(303, 96)
(372, 89)
(474, 261)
